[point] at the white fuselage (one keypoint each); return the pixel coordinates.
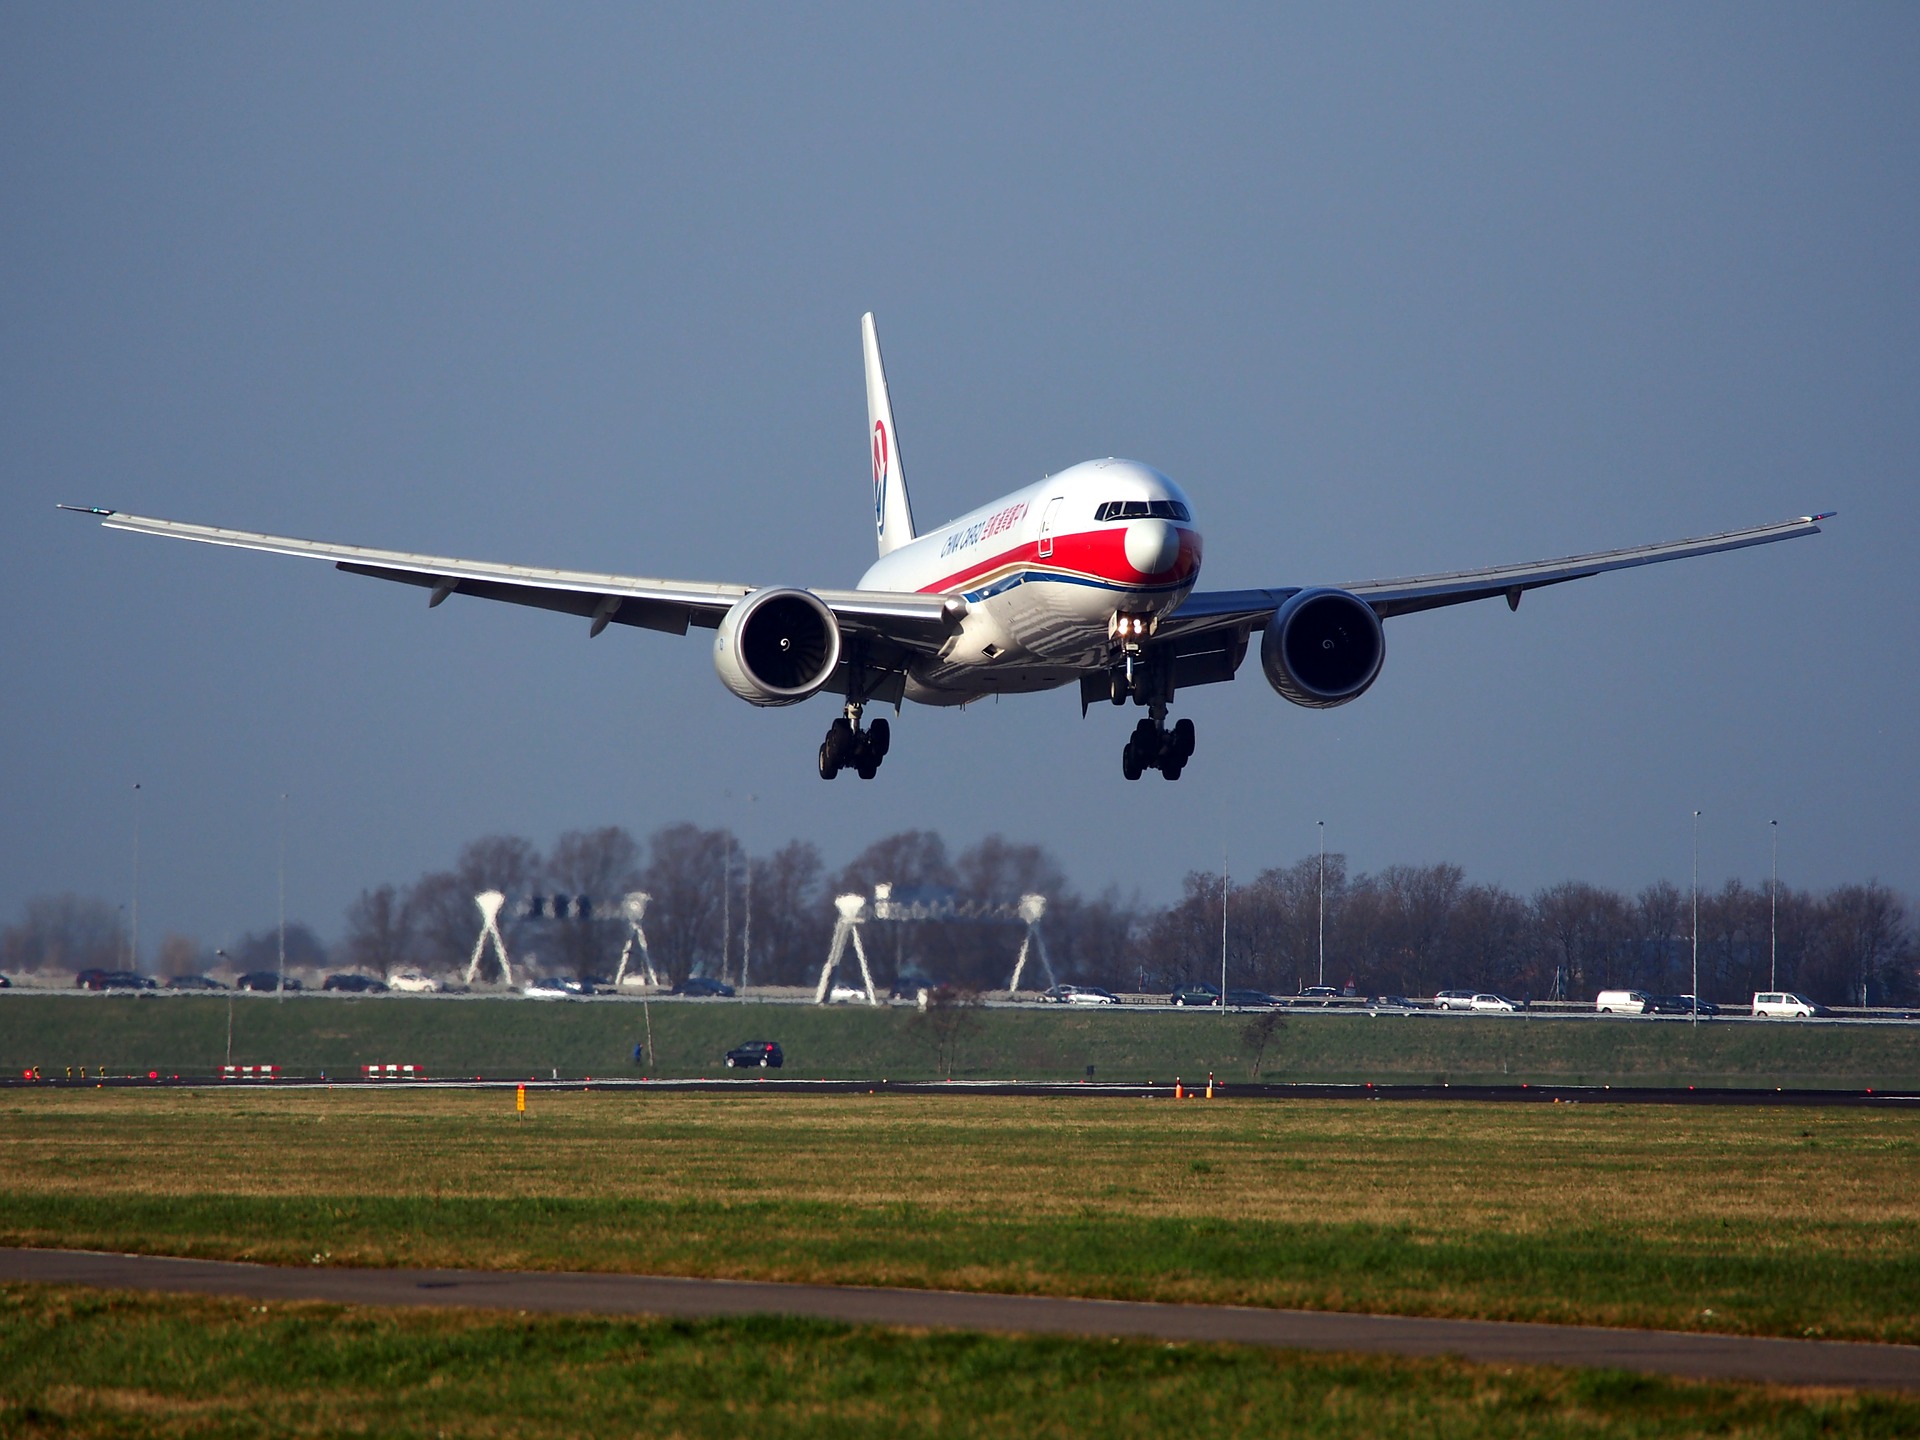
(1044, 570)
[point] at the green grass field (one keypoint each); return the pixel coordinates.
(308, 1035)
(1782, 1222)
(88, 1365)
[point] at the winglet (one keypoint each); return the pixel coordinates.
(892, 512)
(84, 509)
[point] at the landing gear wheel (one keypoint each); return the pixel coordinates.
(867, 769)
(880, 737)
(1171, 768)
(1117, 687)
(840, 736)
(1183, 738)
(829, 767)
(1130, 765)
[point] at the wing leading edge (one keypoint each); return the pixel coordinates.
(908, 621)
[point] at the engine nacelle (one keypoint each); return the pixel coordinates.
(1323, 648)
(777, 647)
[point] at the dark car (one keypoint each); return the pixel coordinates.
(264, 980)
(355, 984)
(5, 984)
(1683, 1005)
(193, 982)
(911, 987)
(697, 985)
(1195, 994)
(1318, 995)
(113, 980)
(759, 1053)
(1250, 997)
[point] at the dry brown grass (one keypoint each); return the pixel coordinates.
(1510, 1169)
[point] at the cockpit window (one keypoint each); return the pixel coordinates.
(1143, 510)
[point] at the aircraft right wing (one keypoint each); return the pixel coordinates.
(892, 624)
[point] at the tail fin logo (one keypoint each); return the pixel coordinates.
(880, 475)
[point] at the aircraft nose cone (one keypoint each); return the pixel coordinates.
(1152, 546)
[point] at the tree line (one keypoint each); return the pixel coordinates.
(717, 910)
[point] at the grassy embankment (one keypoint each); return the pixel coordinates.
(1752, 1221)
(87, 1365)
(307, 1035)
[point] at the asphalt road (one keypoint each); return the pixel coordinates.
(1707, 1357)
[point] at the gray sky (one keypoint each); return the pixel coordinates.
(1388, 290)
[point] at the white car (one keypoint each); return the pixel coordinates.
(1784, 1005)
(1623, 1002)
(845, 994)
(412, 982)
(1090, 995)
(1496, 1004)
(551, 988)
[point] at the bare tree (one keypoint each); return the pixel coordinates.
(791, 923)
(950, 1017)
(1257, 1035)
(601, 865)
(179, 955)
(64, 932)
(685, 865)
(380, 931)
(1868, 943)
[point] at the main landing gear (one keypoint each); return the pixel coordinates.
(848, 747)
(1154, 747)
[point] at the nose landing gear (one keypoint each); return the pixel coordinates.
(1154, 747)
(848, 747)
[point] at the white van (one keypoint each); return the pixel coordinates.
(1784, 1005)
(1623, 1002)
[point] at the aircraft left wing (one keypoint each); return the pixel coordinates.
(891, 620)
(1222, 609)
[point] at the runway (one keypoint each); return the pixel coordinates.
(1696, 1356)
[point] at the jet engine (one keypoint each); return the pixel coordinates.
(1323, 648)
(777, 647)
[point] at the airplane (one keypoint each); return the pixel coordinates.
(1087, 577)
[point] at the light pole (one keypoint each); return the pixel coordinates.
(1773, 917)
(1693, 1009)
(229, 959)
(1321, 900)
(1226, 881)
(133, 939)
(726, 905)
(280, 993)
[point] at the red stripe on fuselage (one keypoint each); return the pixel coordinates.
(1101, 553)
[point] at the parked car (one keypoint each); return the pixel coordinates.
(112, 980)
(844, 993)
(412, 982)
(193, 982)
(1391, 1005)
(911, 987)
(1091, 995)
(1250, 997)
(1453, 1000)
(1623, 1002)
(1199, 993)
(1683, 1005)
(698, 985)
(265, 980)
(1488, 1003)
(355, 984)
(761, 1053)
(1317, 995)
(1785, 1005)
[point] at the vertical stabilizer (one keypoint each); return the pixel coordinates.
(892, 513)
